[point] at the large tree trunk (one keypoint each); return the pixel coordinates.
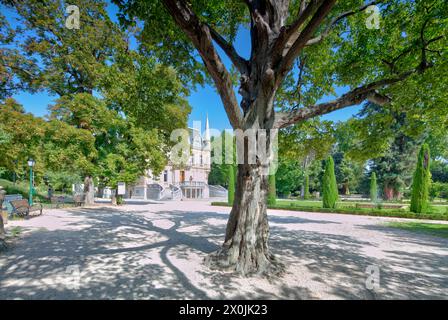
(245, 248)
(388, 193)
(2, 234)
(89, 190)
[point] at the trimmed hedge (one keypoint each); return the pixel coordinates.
(421, 182)
(329, 185)
(360, 212)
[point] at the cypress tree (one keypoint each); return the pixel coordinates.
(272, 194)
(231, 192)
(329, 185)
(306, 194)
(421, 182)
(373, 188)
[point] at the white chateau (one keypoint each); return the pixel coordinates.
(188, 182)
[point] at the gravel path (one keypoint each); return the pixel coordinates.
(155, 251)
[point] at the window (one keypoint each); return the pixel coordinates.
(201, 160)
(165, 176)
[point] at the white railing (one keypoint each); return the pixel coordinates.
(192, 184)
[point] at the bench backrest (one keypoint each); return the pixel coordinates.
(20, 204)
(7, 201)
(60, 199)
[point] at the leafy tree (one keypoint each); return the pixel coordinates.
(373, 188)
(348, 172)
(289, 176)
(439, 171)
(421, 182)
(76, 65)
(391, 138)
(329, 185)
(306, 142)
(286, 34)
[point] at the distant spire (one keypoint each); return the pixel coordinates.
(207, 130)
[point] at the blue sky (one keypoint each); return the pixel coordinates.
(204, 100)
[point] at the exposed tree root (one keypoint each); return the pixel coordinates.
(258, 264)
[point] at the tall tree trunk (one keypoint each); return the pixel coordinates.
(2, 234)
(89, 190)
(245, 249)
(114, 197)
(388, 193)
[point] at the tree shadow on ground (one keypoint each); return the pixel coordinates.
(141, 255)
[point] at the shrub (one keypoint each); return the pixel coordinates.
(421, 182)
(306, 194)
(329, 185)
(373, 188)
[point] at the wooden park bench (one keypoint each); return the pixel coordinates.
(23, 209)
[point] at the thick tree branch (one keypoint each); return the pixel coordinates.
(288, 60)
(354, 97)
(200, 35)
(240, 63)
(336, 20)
(289, 35)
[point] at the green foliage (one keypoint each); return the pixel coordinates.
(347, 171)
(115, 108)
(231, 190)
(329, 185)
(307, 141)
(439, 170)
(306, 194)
(226, 145)
(23, 188)
(373, 188)
(288, 177)
(421, 182)
(62, 180)
(390, 137)
(272, 192)
(438, 190)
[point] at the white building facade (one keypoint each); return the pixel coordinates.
(187, 182)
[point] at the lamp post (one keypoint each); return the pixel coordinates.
(31, 163)
(14, 173)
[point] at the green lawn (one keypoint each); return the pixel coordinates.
(439, 230)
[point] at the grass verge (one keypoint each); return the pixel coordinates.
(434, 229)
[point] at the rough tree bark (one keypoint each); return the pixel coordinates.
(274, 48)
(89, 190)
(246, 248)
(2, 234)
